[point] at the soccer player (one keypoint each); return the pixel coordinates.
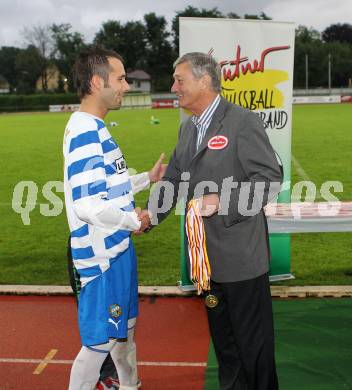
(101, 215)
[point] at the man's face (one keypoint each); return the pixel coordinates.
(113, 91)
(188, 89)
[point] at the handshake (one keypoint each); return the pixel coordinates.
(144, 217)
(208, 205)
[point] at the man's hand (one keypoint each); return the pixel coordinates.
(158, 170)
(144, 217)
(209, 205)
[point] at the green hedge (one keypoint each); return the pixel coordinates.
(36, 102)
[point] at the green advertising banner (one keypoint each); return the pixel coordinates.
(256, 59)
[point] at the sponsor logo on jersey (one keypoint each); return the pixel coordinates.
(121, 166)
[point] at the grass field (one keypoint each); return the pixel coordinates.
(32, 151)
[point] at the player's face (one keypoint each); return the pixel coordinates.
(188, 89)
(117, 86)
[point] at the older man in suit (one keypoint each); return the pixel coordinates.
(224, 153)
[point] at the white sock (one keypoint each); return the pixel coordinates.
(124, 357)
(85, 370)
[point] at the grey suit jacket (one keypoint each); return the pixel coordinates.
(237, 236)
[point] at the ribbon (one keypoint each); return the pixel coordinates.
(197, 250)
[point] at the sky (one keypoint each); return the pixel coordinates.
(86, 16)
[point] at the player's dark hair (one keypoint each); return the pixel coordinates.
(92, 61)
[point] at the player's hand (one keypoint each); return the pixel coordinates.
(209, 205)
(144, 217)
(158, 170)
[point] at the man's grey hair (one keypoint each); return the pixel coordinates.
(202, 64)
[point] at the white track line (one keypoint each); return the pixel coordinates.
(172, 364)
(299, 169)
(156, 364)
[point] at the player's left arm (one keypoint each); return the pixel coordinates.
(142, 180)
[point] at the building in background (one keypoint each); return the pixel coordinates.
(54, 78)
(139, 81)
(4, 85)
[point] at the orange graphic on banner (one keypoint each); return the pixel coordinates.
(250, 84)
(256, 91)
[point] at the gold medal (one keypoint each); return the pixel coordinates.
(211, 301)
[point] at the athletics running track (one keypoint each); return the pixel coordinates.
(39, 339)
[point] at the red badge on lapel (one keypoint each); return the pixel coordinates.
(218, 142)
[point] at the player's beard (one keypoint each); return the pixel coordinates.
(112, 99)
(116, 106)
(118, 96)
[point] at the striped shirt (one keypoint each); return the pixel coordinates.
(202, 122)
(98, 195)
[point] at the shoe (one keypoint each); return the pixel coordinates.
(108, 383)
(112, 384)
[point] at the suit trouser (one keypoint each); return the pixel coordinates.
(241, 327)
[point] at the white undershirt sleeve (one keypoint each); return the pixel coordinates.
(105, 214)
(139, 182)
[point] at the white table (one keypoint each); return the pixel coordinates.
(307, 217)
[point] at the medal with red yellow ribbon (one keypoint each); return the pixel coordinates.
(197, 250)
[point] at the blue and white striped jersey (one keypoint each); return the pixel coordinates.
(98, 195)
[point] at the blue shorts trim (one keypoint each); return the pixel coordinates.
(97, 350)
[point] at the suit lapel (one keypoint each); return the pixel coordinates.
(213, 129)
(191, 142)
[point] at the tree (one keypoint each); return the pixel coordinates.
(40, 37)
(308, 43)
(8, 56)
(341, 62)
(206, 13)
(28, 67)
(338, 33)
(129, 40)
(111, 36)
(264, 16)
(233, 15)
(143, 45)
(191, 12)
(307, 35)
(135, 51)
(261, 16)
(66, 45)
(160, 56)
